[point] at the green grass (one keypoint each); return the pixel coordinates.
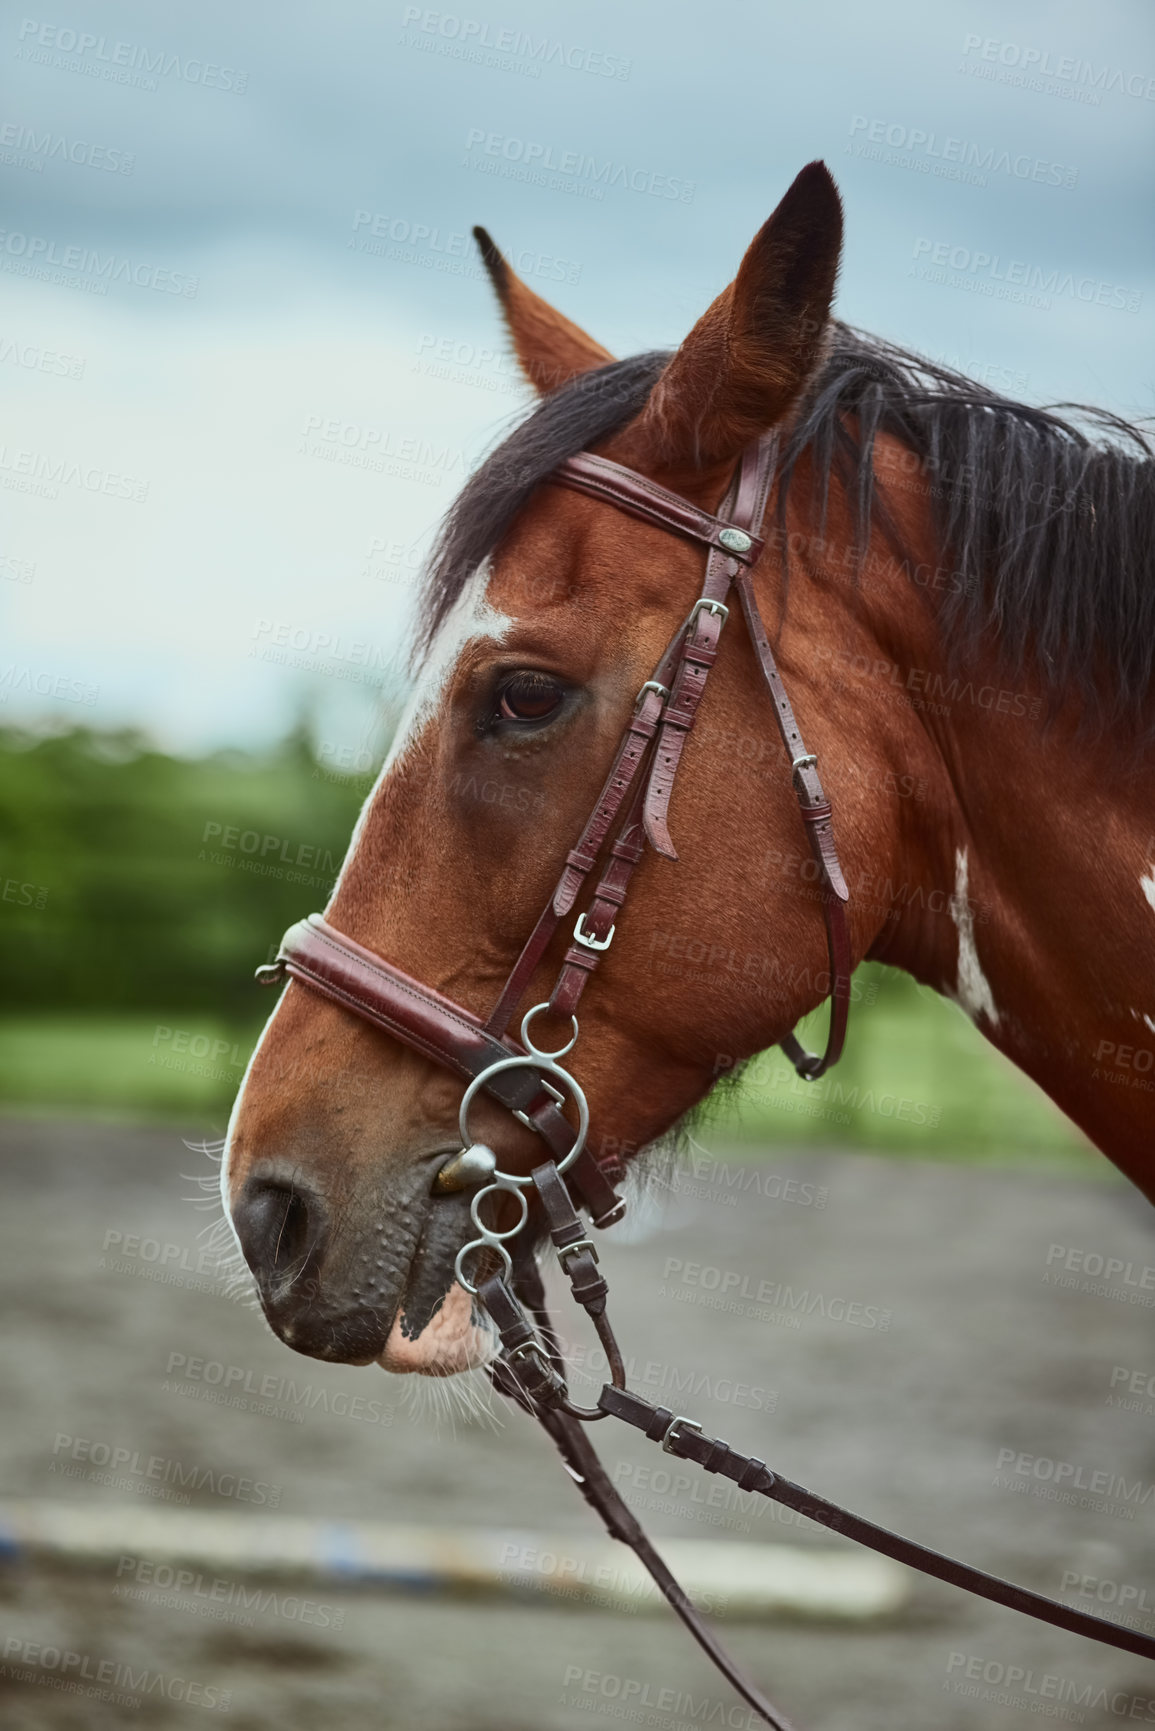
(123, 1066)
(916, 1078)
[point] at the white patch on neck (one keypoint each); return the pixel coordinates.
(470, 617)
(973, 991)
(1147, 885)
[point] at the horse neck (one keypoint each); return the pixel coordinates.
(1017, 849)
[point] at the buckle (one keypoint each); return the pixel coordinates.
(806, 761)
(663, 691)
(703, 605)
(569, 1250)
(583, 937)
(533, 1351)
(523, 1117)
(671, 1435)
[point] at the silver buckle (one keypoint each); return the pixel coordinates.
(671, 1435)
(718, 607)
(534, 1352)
(806, 761)
(569, 1250)
(547, 1088)
(663, 691)
(582, 937)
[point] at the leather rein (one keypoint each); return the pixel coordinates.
(532, 1084)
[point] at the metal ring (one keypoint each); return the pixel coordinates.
(536, 1051)
(552, 1069)
(492, 1236)
(479, 1244)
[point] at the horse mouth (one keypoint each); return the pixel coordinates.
(438, 1329)
(452, 1340)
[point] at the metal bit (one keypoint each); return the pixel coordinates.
(472, 1166)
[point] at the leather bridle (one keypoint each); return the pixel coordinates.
(521, 1076)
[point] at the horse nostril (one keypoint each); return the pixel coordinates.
(281, 1227)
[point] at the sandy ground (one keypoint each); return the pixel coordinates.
(941, 1327)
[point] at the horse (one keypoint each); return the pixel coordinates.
(961, 596)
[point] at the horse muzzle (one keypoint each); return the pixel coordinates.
(369, 1282)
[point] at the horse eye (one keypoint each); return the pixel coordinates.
(529, 697)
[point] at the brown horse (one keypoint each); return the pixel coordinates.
(963, 600)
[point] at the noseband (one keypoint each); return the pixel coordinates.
(522, 1077)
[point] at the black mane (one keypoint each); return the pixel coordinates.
(1049, 530)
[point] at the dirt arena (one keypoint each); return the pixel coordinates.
(965, 1334)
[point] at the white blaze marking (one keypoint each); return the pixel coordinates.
(973, 991)
(470, 617)
(233, 1119)
(1147, 885)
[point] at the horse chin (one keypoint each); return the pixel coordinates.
(451, 1341)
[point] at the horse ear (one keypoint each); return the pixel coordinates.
(551, 350)
(747, 360)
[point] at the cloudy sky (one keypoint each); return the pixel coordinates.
(248, 354)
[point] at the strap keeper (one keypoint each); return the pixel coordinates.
(716, 1459)
(748, 1478)
(659, 1423)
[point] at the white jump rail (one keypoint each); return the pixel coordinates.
(745, 1581)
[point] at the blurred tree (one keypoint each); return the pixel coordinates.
(134, 880)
